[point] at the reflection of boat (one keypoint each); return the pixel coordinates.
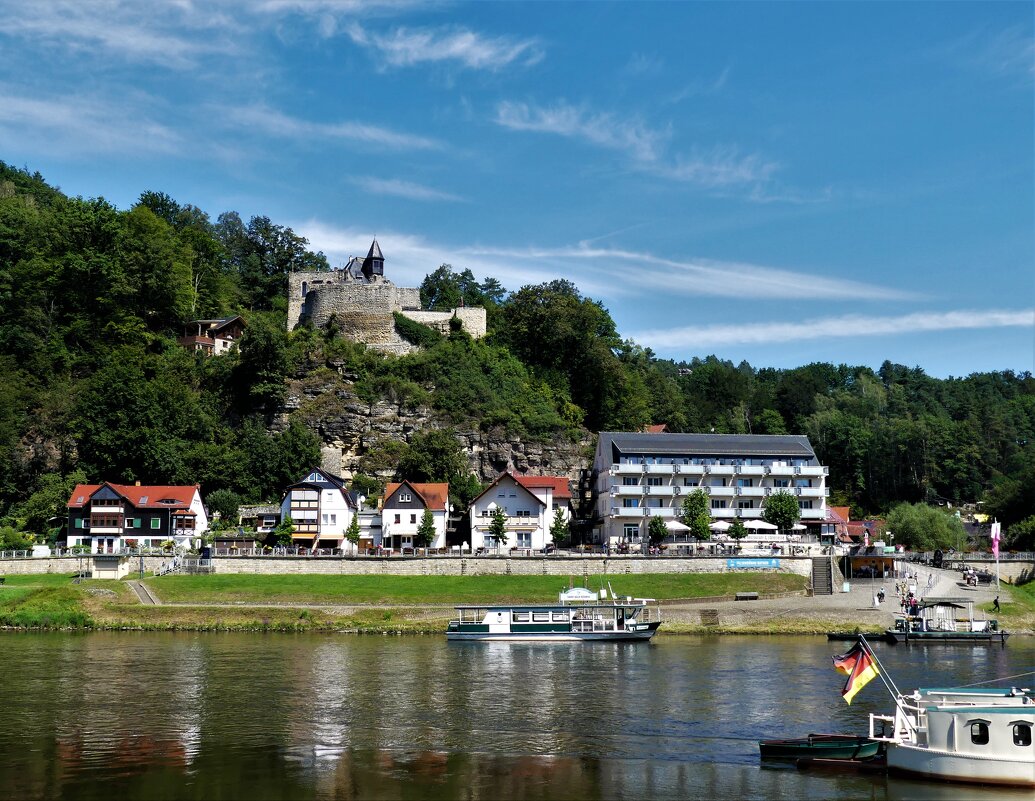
(961, 734)
(852, 636)
(578, 615)
(824, 746)
(945, 620)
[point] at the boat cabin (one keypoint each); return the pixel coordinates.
(945, 615)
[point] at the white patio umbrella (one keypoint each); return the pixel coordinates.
(675, 525)
(759, 525)
(720, 525)
(798, 527)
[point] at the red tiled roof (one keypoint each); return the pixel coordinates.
(661, 428)
(559, 484)
(844, 512)
(435, 496)
(136, 495)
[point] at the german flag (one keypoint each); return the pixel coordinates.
(858, 664)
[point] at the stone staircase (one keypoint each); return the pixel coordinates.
(822, 576)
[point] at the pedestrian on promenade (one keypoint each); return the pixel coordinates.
(995, 604)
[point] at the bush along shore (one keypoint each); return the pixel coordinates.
(691, 604)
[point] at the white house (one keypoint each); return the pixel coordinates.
(640, 475)
(106, 518)
(403, 511)
(320, 509)
(530, 504)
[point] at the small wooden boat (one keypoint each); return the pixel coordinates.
(825, 746)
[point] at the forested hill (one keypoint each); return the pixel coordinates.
(93, 384)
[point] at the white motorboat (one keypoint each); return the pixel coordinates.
(961, 735)
(580, 614)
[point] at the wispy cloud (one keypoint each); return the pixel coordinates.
(171, 34)
(635, 138)
(701, 86)
(408, 47)
(1009, 52)
(599, 272)
(83, 125)
(403, 189)
(854, 326)
(276, 123)
(646, 146)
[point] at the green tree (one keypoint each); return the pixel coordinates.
(226, 502)
(282, 534)
(700, 527)
(656, 530)
(923, 528)
(426, 530)
(737, 531)
(695, 505)
(1021, 536)
(782, 510)
(498, 525)
(42, 512)
(352, 532)
(11, 539)
(560, 532)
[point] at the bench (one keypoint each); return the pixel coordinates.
(746, 596)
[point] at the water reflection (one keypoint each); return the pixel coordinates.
(277, 716)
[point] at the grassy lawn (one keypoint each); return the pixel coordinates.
(447, 590)
(45, 600)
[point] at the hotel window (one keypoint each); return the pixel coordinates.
(717, 504)
(745, 505)
(803, 482)
(1022, 734)
(979, 732)
(745, 482)
(781, 482)
(524, 539)
(654, 482)
(804, 504)
(630, 503)
(631, 532)
(689, 482)
(630, 481)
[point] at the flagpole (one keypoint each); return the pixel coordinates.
(997, 529)
(881, 671)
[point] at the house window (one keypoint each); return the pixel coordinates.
(156, 522)
(334, 520)
(79, 522)
(524, 539)
(1022, 734)
(397, 518)
(979, 732)
(405, 497)
(631, 532)
(413, 518)
(717, 504)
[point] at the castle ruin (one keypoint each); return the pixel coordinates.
(360, 302)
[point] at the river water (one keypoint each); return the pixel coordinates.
(250, 716)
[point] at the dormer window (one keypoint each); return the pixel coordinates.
(405, 497)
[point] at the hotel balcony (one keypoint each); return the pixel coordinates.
(627, 491)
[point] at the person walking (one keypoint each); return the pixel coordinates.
(995, 604)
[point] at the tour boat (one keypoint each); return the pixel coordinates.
(945, 620)
(823, 746)
(580, 614)
(961, 734)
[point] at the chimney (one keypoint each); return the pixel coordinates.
(137, 483)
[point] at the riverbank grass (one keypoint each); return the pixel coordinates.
(450, 590)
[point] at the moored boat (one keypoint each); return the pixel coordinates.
(961, 735)
(823, 746)
(579, 614)
(948, 620)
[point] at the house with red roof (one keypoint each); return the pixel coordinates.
(403, 510)
(530, 504)
(107, 518)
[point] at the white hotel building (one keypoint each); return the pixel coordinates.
(641, 475)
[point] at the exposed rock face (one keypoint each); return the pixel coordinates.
(350, 429)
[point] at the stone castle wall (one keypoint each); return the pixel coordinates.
(363, 311)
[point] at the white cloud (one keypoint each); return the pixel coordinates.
(1007, 52)
(83, 125)
(276, 123)
(404, 189)
(407, 47)
(600, 273)
(645, 146)
(854, 326)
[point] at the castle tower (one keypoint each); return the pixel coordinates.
(374, 263)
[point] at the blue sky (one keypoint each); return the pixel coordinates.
(777, 182)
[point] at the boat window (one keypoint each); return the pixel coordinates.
(540, 617)
(560, 617)
(979, 732)
(1022, 734)
(521, 617)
